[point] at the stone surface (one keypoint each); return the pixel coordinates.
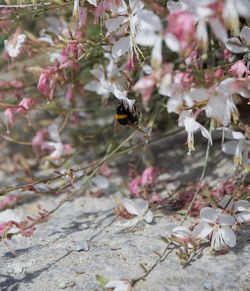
(81, 240)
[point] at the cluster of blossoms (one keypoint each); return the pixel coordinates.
(194, 54)
(216, 225)
(192, 31)
(132, 27)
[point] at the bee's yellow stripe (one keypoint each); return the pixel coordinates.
(121, 116)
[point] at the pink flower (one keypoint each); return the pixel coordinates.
(6, 226)
(42, 86)
(26, 104)
(46, 85)
(218, 73)
(105, 170)
(9, 114)
(82, 16)
(148, 176)
(17, 84)
(227, 54)
(13, 46)
(67, 149)
(134, 186)
(191, 58)
(101, 8)
(8, 201)
(71, 53)
(181, 26)
(130, 63)
(39, 139)
(238, 69)
(183, 78)
(146, 86)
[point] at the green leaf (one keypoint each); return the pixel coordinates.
(165, 240)
(182, 212)
(101, 280)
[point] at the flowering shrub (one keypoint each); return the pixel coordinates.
(67, 65)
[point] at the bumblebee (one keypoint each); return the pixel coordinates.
(125, 115)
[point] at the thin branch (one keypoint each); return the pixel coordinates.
(24, 5)
(200, 181)
(157, 262)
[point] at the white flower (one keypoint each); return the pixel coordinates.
(240, 209)
(217, 227)
(119, 285)
(13, 47)
(100, 84)
(76, 6)
(57, 150)
(108, 82)
(152, 36)
(180, 235)
(55, 57)
(56, 145)
(203, 14)
(239, 147)
(129, 20)
(191, 126)
(221, 106)
(139, 208)
(233, 9)
(235, 45)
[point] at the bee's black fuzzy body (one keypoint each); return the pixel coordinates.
(125, 115)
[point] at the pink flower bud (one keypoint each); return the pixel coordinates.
(238, 69)
(149, 176)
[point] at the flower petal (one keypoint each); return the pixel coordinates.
(146, 38)
(119, 285)
(121, 47)
(229, 237)
(218, 29)
(172, 42)
(241, 205)
(243, 7)
(149, 20)
(179, 231)
(93, 2)
(137, 206)
(149, 216)
(245, 34)
(243, 217)
(170, 228)
(209, 214)
(114, 23)
(202, 230)
(234, 45)
(226, 219)
(206, 134)
(126, 223)
(156, 58)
